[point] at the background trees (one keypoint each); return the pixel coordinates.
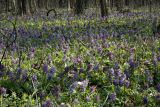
(104, 9)
(22, 7)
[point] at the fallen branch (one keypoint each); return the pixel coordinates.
(8, 42)
(49, 11)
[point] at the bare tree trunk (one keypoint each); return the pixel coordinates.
(150, 6)
(7, 5)
(104, 9)
(29, 7)
(41, 4)
(35, 5)
(118, 4)
(61, 3)
(14, 6)
(79, 7)
(69, 5)
(22, 7)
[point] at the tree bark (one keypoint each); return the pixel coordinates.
(79, 7)
(104, 9)
(69, 5)
(21, 7)
(118, 4)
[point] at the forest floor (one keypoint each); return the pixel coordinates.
(80, 61)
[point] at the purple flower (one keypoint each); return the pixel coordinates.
(49, 59)
(1, 74)
(32, 50)
(145, 100)
(66, 69)
(73, 87)
(131, 63)
(19, 71)
(118, 73)
(116, 65)
(41, 95)
(52, 70)
(116, 82)
(88, 99)
(56, 91)
(112, 97)
(47, 103)
(124, 76)
(34, 77)
(126, 72)
(92, 89)
(110, 55)
(81, 70)
(96, 68)
(154, 60)
(24, 76)
(111, 71)
(157, 97)
(2, 91)
(51, 73)
(31, 55)
(121, 81)
(147, 72)
(132, 50)
(49, 76)
(127, 83)
(75, 69)
(75, 75)
(146, 63)
(150, 79)
(89, 67)
(158, 58)
(45, 68)
(11, 76)
(1, 67)
(84, 85)
(158, 87)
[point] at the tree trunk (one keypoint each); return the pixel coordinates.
(104, 9)
(61, 3)
(7, 5)
(69, 5)
(41, 4)
(118, 4)
(79, 7)
(21, 7)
